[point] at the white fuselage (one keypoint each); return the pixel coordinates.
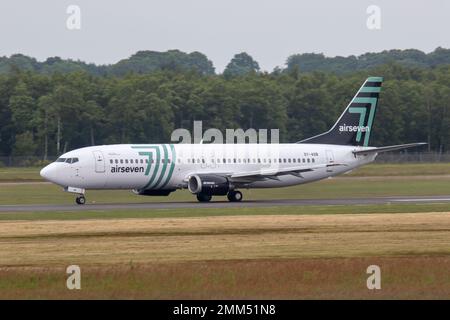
(168, 166)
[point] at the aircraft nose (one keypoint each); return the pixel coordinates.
(50, 173)
(44, 172)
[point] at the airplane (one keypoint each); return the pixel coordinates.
(208, 170)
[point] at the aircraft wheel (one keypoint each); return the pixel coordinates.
(234, 196)
(204, 197)
(80, 200)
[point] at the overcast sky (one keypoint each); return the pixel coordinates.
(269, 30)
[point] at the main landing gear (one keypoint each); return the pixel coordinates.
(233, 196)
(80, 200)
(202, 197)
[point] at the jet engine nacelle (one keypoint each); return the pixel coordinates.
(209, 184)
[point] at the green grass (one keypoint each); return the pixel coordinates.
(327, 189)
(205, 212)
(11, 174)
(345, 278)
(402, 169)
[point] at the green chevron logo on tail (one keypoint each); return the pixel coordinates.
(354, 126)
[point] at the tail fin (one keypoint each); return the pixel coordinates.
(355, 124)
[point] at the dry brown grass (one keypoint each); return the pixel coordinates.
(231, 237)
(279, 256)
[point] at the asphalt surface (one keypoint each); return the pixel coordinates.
(223, 204)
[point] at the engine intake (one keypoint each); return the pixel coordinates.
(209, 184)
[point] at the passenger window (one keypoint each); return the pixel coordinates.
(142, 161)
(203, 160)
(116, 161)
(312, 160)
(126, 160)
(284, 160)
(303, 160)
(309, 160)
(294, 160)
(146, 160)
(259, 160)
(121, 160)
(131, 161)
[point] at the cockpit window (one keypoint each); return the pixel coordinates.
(67, 160)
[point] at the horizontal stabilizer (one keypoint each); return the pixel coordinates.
(389, 148)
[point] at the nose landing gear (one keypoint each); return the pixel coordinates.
(80, 191)
(80, 200)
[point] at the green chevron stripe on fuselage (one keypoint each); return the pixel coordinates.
(164, 167)
(172, 165)
(157, 161)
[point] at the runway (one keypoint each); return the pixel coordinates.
(224, 204)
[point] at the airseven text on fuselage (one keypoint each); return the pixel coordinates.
(118, 169)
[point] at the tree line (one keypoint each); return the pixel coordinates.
(46, 114)
(175, 60)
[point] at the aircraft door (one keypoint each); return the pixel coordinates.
(330, 160)
(99, 162)
(330, 157)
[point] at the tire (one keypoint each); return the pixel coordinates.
(80, 200)
(201, 197)
(234, 196)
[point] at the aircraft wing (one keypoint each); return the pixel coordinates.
(274, 173)
(388, 148)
